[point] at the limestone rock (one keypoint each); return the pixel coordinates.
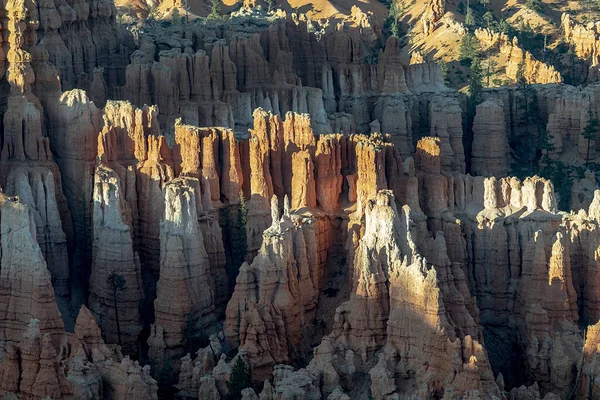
(489, 154)
(25, 283)
(113, 253)
(185, 295)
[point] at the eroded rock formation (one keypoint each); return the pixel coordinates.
(335, 171)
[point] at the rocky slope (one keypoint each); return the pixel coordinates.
(268, 189)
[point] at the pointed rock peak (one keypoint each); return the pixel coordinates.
(207, 204)
(559, 261)
(594, 210)
(86, 327)
(286, 207)
(48, 350)
(275, 219)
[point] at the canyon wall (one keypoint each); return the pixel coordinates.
(178, 199)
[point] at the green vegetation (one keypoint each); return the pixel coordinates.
(444, 70)
(469, 17)
(534, 5)
(525, 149)
(396, 29)
(473, 99)
(240, 241)
(468, 50)
(233, 224)
(393, 22)
(215, 10)
(175, 16)
(475, 81)
(490, 67)
(117, 284)
(488, 17)
(239, 380)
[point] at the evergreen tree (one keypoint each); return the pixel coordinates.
(534, 5)
(490, 67)
(589, 133)
(484, 3)
(546, 146)
(475, 81)
(215, 11)
(117, 284)
(474, 98)
(239, 380)
(503, 26)
(444, 70)
(397, 10)
(394, 19)
(469, 49)
(175, 16)
(527, 149)
(488, 17)
(396, 29)
(469, 17)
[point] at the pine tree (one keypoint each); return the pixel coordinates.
(475, 81)
(474, 98)
(490, 67)
(397, 10)
(469, 17)
(239, 380)
(396, 30)
(444, 70)
(534, 5)
(488, 17)
(394, 20)
(117, 284)
(240, 246)
(175, 15)
(589, 133)
(469, 49)
(215, 11)
(546, 145)
(526, 150)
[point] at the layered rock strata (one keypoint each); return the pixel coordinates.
(116, 308)
(185, 296)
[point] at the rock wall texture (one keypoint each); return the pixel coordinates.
(272, 190)
(534, 71)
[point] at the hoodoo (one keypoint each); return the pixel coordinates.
(257, 200)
